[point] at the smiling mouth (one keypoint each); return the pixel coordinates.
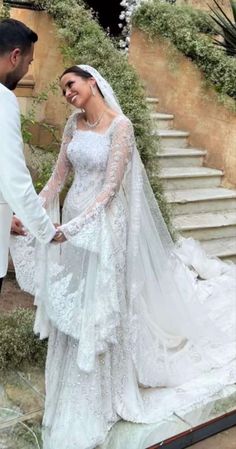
(73, 98)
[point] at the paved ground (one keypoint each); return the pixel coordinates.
(12, 297)
(22, 395)
(224, 440)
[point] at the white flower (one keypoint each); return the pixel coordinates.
(122, 15)
(122, 44)
(128, 8)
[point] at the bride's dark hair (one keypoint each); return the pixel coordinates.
(79, 72)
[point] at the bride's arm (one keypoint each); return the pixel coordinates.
(122, 144)
(61, 170)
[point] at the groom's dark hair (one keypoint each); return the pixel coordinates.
(15, 34)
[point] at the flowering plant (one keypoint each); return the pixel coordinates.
(129, 7)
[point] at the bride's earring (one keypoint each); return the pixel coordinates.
(93, 90)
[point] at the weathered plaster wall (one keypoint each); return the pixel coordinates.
(204, 4)
(182, 90)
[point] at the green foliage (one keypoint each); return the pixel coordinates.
(4, 11)
(233, 6)
(18, 344)
(191, 31)
(29, 119)
(162, 18)
(40, 160)
(227, 28)
(85, 42)
(41, 163)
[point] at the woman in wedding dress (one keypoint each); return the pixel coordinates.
(124, 308)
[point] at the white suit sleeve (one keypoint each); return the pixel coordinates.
(15, 180)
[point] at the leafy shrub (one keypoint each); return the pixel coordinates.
(226, 27)
(4, 11)
(191, 31)
(17, 340)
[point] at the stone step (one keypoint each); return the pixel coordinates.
(180, 157)
(194, 201)
(207, 226)
(172, 138)
(162, 121)
(181, 178)
(152, 100)
(225, 248)
(152, 103)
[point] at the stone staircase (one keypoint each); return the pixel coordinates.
(202, 209)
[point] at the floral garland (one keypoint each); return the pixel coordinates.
(129, 6)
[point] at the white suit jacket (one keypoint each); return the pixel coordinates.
(17, 193)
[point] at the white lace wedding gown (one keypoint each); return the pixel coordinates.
(111, 307)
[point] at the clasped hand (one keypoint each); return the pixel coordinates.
(59, 237)
(17, 228)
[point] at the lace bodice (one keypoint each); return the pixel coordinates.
(88, 151)
(88, 155)
(99, 162)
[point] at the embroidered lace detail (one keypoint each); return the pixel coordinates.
(62, 168)
(105, 154)
(95, 292)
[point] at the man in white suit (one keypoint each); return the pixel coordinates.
(16, 189)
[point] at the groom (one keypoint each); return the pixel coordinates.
(16, 189)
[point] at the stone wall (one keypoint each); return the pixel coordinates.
(203, 4)
(182, 90)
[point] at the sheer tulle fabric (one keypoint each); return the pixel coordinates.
(120, 303)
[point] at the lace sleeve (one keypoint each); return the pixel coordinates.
(122, 142)
(61, 170)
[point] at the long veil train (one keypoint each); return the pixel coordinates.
(169, 308)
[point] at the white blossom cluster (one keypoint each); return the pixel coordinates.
(125, 20)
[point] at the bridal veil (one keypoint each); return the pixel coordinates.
(136, 275)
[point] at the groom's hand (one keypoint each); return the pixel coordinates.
(59, 236)
(17, 227)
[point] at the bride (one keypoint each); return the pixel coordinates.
(124, 308)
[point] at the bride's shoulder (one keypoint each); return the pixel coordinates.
(123, 124)
(79, 117)
(74, 120)
(122, 119)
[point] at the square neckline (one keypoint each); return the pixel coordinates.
(97, 132)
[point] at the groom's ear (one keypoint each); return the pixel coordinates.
(15, 56)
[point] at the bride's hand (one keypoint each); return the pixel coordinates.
(17, 227)
(59, 237)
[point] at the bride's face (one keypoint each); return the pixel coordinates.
(77, 90)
